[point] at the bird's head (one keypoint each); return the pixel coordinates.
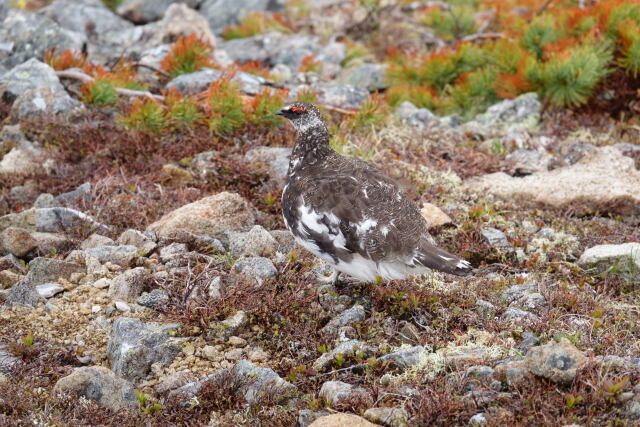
(303, 116)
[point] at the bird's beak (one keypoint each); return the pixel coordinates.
(280, 113)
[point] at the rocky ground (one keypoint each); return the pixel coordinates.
(148, 279)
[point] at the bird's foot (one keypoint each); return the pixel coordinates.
(333, 279)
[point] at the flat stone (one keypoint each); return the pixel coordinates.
(351, 315)
(434, 215)
(47, 270)
(602, 181)
(258, 269)
(624, 258)
(48, 290)
(406, 357)
(338, 392)
(257, 242)
(341, 420)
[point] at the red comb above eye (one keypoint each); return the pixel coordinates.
(297, 109)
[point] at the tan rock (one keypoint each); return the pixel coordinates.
(181, 20)
(604, 181)
(341, 420)
(17, 241)
(211, 216)
(434, 215)
(557, 361)
(100, 384)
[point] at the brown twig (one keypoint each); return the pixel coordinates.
(341, 110)
(77, 75)
(482, 36)
(152, 68)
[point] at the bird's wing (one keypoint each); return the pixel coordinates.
(363, 211)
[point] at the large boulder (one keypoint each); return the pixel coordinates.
(602, 181)
(212, 216)
(99, 384)
(624, 259)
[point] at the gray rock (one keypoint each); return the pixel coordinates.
(624, 259)
(351, 315)
(48, 290)
(85, 17)
(134, 346)
(286, 241)
(261, 383)
(523, 111)
(368, 76)
(174, 381)
(99, 384)
(495, 237)
(24, 292)
(47, 270)
(17, 241)
(173, 251)
(518, 291)
(516, 314)
(143, 241)
(31, 74)
(30, 35)
(256, 268)
(417, 117)
(80, 194)
(156, 299)
(65, 220)
(526, 162)
(391, 417)
(144, 11)
(405, 358)
(632, 410)
(337, 392)
(221, 13)
(344, 348)
(122, 306)
(485, 308)
(7, 360)
(10, 262)
(511, 371)
(557, 361)
(479, 371)
(235, 323)
(478, 419)
(533, 302)
(256, 242)
(342, 96)
(95, 241)
(45, 200)
(43, 102)
(4, 10)
(196, 82)
(122, 255)
(275, 159)
(128, 285)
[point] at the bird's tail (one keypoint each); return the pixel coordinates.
(435, 258)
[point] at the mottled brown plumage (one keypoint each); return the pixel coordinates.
(350, 214)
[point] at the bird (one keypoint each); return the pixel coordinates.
(348, 213)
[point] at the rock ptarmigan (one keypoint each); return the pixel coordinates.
(351, 215)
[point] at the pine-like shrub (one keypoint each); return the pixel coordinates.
(262, 108)
(225, 108)
(187, 55)
(69, 58)
(145, 115)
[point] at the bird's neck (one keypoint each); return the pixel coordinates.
(312, 145)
